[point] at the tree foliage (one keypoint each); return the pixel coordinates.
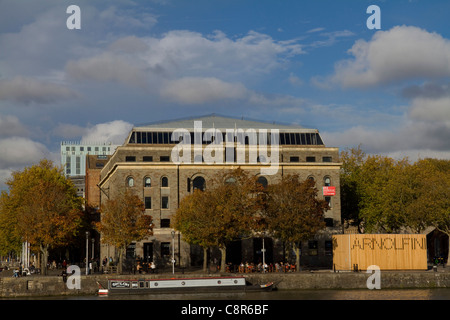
(123, 220)
(386, 195)
(293, 211)
(237, 206)
(220, 214)
(41, 207)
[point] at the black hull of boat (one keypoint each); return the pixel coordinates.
(146, 289)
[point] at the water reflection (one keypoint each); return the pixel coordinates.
(365, 294)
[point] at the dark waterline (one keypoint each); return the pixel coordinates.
(360, 294)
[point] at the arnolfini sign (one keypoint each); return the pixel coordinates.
(388, 251)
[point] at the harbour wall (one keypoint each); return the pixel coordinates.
(55, 286)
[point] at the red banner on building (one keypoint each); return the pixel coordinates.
(329, 191)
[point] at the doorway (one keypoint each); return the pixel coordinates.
(148, 251)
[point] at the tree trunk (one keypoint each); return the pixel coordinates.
(44, 250)
(297, 257)
(120, 264)
(223, 251)
(448, 254)
(205, 259)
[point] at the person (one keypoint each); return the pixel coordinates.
(152, 267)
(138, 267)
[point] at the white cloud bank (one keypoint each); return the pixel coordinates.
(401, 53)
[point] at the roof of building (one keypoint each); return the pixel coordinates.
(218, 122)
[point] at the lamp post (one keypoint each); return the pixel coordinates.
(264, 252)
(173, 252)
(87, 252)
(93, 243)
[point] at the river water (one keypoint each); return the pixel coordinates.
(360, 294)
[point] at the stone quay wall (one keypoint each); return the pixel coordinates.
(55, 286)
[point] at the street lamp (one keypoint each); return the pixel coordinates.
(87, 252)
(93, 243)
(173, 252)
(264, 253)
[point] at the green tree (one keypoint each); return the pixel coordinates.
(42, 208)
(123, 220)
(351, 189)
(293, 211)
(433, 197)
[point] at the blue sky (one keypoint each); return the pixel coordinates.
(313, 63)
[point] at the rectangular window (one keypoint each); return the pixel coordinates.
(164, 158)
(310, 159)
(328, 247)
(147, 158)
(294, 159)
(327, 159)
(297, 138)
(165, 223)
(139, 135)
(130, 158)
(165, 202)
(165, 248)
(148, 202)
(303, 136)
(78, 165)
(160, 138)
(329, 222)
(308, 138)
(313, 248)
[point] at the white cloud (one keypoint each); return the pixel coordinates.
(431, 109)
(26, 90)
(108, 67)
(401, 53)
(19, 151)
(194, 90)
(114, 132)
(11, 126)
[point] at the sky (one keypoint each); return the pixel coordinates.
(311, 63)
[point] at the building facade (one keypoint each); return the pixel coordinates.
(73, 160)
(164, 162)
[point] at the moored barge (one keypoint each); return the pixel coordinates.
(209, 284)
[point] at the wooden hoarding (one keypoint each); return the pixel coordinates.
(388, 251)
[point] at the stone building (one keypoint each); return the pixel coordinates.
(165, 161)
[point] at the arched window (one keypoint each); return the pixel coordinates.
(164, 182)
(199, 183)
(262, 181)
(130, 182)
(147, 182)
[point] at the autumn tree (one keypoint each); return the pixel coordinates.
(225, 211)
(195, 220)
(123, 220)
(293, 211)
(10, 238)
(41, 207)
(433, 197)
